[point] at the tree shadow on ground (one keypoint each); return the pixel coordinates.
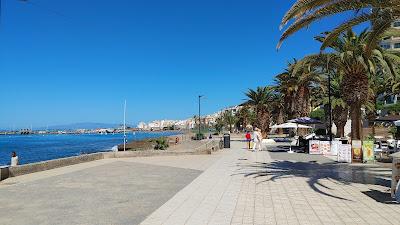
(379, 196)
(314, 173)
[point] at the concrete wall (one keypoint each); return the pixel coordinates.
(52, 164)
(6, 172)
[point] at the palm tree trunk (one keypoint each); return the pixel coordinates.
(305, 111)
(340, 130)
(263, 118)
(355, 93)
(340, 115)
(356, 126)
(280, 121)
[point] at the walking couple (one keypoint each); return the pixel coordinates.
(257, 139)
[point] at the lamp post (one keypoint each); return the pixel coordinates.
(329, 100)
(200, 96)
(330, 107)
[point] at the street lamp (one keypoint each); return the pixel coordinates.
(200, 96)
(330, 107)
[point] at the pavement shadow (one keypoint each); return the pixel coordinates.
(314, 173)
(379, 196)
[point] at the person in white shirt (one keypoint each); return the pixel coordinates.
(14, 159)
(257, 140)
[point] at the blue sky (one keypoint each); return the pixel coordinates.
(77, 60)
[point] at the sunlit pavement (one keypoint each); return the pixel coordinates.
(111, 191)
(232, 186)
(245, 187)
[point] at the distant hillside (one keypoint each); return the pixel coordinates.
(75, 126)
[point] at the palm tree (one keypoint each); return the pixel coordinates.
(351, 59)
(278, 108)
(229, 119)
(380, 13)
(340, 110)
(296, 85)
(259, 99)
(245, 117)
(219, 124)
(286, 85)
(307, 78)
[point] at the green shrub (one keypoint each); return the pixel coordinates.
(199, 136)
(318, 114)
(161, 144)
(370, 137)
(393, 108)
(392, 130)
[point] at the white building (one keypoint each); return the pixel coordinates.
(142, 126)
(190, 123)
(392, 42)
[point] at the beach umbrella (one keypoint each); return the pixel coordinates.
(305, 120)
(290, 125)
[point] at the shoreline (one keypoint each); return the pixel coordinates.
(39, 148)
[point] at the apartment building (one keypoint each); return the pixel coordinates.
(392, 42)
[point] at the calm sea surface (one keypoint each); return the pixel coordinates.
(35, 148)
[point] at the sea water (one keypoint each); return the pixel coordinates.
(36, 148)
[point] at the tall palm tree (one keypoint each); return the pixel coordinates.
(307, 78)
(350, 57)
(286, 85)
(278, 108)
(380, 13)
(259, 100)
(340, 110)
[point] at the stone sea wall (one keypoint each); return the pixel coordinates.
(6, 172)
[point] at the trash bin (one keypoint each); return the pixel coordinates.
(227, 141)
(395, 175)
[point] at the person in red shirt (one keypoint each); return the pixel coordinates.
(248, 139)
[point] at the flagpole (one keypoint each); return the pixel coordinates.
(125, 125)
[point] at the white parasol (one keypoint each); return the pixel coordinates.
(290, 125)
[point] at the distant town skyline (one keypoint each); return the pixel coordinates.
(74, 61)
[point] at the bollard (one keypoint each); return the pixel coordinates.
(221, 144)
(395, 175)
(4, 172)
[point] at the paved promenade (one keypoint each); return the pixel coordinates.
(245, 187)
(233, 186)
(111, 191)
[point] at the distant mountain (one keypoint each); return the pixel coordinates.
(76, 126)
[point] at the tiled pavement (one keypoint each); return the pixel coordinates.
(243, 187)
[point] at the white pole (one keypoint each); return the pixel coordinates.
(125, 125)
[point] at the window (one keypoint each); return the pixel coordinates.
(385, 46)
(396, 24)
(397, 45)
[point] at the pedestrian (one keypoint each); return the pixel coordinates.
(257, 139)
(248, 139)
(14, 159)
(176, 140)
